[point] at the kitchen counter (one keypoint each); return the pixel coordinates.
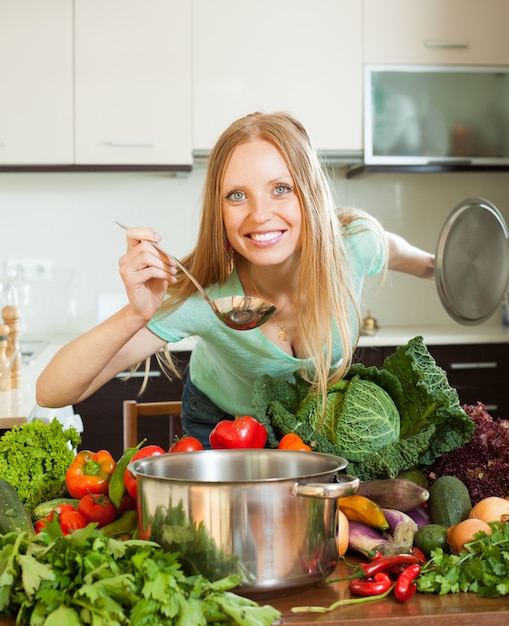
(464, 609)
(436, 335)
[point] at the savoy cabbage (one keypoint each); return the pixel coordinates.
(425, 418)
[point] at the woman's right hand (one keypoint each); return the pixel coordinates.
(145, 271)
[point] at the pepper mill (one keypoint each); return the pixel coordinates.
(5, 373)
(10, 316)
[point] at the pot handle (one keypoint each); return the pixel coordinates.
(346, 486)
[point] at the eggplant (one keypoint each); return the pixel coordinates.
(364, 539)
(402, 528)
(394, 493)
(420, 515)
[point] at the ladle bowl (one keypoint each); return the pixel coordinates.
(237, 312)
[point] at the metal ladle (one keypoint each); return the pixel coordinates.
(237, 312)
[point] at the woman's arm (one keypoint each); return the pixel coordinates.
(404, 257)
(89, 361)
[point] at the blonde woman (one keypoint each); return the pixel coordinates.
(269, 229)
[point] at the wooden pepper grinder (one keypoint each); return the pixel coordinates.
(11, 316)
(5, 373)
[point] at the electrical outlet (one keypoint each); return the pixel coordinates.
(38, 270)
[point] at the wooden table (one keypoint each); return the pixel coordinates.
(464, 609)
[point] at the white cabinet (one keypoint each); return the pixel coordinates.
(36, 106)
(95, 83)
(133, 82)
(294, 55)
(436, 31)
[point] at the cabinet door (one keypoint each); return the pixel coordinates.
(133, 82)
(294, 55)
(436, 31)
(36, 106)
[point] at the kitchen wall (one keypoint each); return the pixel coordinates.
(69, 218)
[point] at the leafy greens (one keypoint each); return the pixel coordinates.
(408, 415)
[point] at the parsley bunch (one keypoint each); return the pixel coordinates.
(88, 578)
(483, 568)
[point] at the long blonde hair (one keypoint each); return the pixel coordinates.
(324, 282)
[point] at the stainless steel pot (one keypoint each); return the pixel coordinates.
(267, 515)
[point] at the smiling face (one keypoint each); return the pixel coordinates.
(261, 211)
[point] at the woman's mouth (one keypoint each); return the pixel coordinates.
(266, 237)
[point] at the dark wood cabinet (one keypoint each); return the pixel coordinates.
(479, 372)
(102, 412)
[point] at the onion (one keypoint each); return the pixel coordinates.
(343, 532)
(490, 509)
(462, 533)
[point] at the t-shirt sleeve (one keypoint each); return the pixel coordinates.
(366, 247)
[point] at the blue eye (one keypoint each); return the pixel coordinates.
(281, 189)
(235, 196)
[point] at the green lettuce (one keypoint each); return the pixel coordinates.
(380, 437)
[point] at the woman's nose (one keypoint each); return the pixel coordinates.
(261, 210)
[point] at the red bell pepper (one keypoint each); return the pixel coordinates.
(241, 432)
(130, 481)
(90, 472)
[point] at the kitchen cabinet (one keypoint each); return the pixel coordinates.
(477, 371)
(292, 55)
(96, 84)
(102, 412)
(436, 31)
(133, 82)
(36, 73)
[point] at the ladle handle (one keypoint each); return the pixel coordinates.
(180, 265)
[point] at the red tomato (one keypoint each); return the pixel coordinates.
(130, 481)
(186, 444)
(292, 441)
(70, 521)
(97, 508)
(242, 432)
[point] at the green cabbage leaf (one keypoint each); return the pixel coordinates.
(382, 420)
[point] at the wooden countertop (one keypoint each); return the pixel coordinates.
(464, 609)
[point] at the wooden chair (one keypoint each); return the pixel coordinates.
(133, 410)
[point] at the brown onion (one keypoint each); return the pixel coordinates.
(462, 533)
(490, 509)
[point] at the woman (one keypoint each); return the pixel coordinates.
(269, 229)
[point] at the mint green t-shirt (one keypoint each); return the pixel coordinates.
(225, 362)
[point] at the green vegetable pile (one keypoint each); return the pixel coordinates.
(34, 458)
(483, 568)
(88, 578)
(382, 420)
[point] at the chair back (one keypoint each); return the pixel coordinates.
(133, 410)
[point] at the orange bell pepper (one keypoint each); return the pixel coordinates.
(292, 441)
(90, 472)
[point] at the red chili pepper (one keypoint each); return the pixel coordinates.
(405, 585)
(386, 563)
(374, 586)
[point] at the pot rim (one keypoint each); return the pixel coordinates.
(336, 464)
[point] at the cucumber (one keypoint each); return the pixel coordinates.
(44, 508)
(13, 515)
(449, 501)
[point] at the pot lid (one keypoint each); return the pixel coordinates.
(472, 261)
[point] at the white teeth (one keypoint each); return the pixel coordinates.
(265, 236)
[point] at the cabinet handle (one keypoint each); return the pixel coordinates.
(151, 373)
(490, 408)
(129, 144)
(434, 43)
(474, 365)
